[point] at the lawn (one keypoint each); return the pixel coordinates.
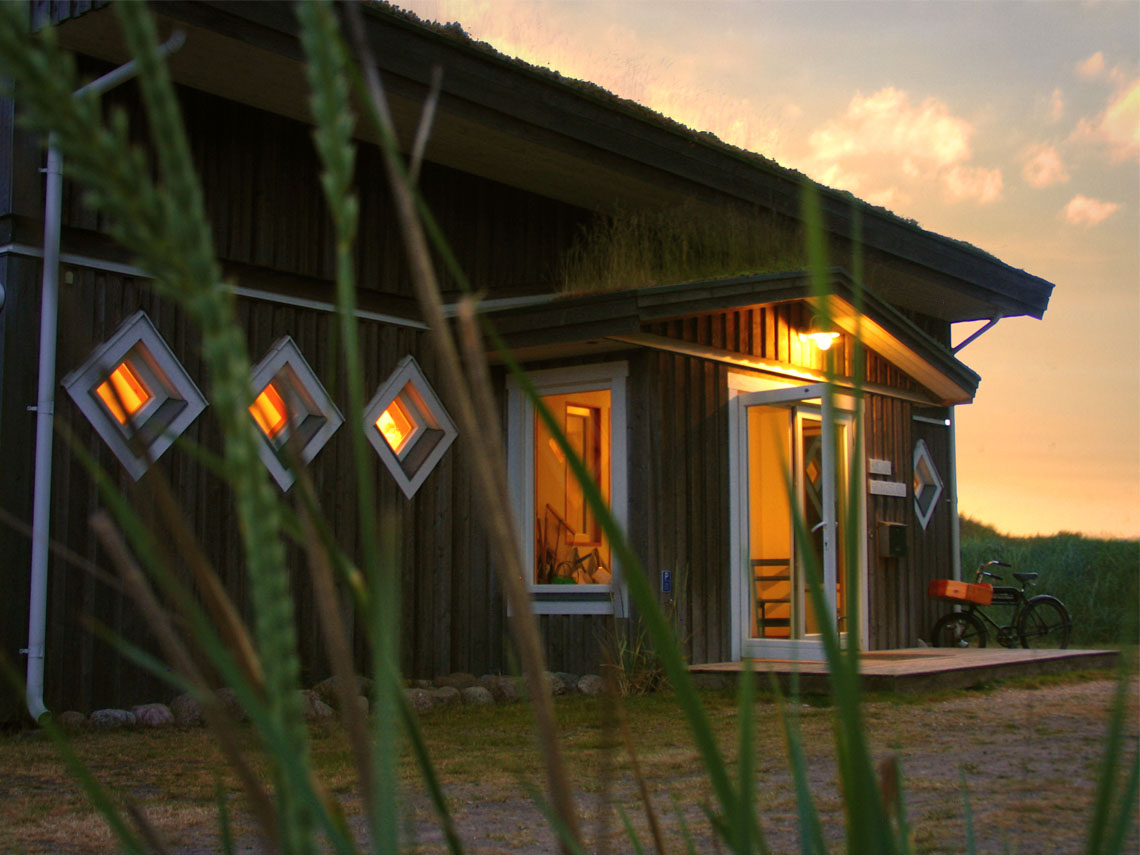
(1028, 752)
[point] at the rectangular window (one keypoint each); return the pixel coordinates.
(571, 568)
(571, 547)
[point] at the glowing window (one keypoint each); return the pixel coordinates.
(124, 393)
(571, 567)
(396, 426)
(292, 409)
(571, 549)
(269, 411)
(135, 393)
(408, 426)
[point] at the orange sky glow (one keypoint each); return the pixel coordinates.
(1013, 126)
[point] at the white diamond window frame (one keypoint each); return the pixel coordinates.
(312, 416)
(432, 430)
(174, 398)
(927, 484)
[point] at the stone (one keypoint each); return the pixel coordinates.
(313, 708)
(112, 719)
(71, 720)
(229, 701)
(502, 689)
(327, 689)
(554, 686)
(186, 710)
(420, 699)
(458, 680)
(153, 715)
(569, 683)
(477, 696)
(591, 684)
(445, 696)
(427, 685)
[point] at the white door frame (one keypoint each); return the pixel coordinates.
(742, 392)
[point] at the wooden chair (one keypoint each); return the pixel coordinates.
(772, 589)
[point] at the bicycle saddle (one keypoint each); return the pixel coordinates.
(1024, 577)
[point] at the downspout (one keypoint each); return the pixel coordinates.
(955, 526)
(45, 394)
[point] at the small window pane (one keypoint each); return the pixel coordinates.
(269, 411)
(124, 393)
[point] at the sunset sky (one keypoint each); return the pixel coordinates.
(1012, 125)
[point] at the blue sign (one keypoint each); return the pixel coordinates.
(666, 581)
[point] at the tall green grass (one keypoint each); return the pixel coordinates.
(203, 644)
(682, 243)
(1097, 579)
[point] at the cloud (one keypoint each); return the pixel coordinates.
(1043, 166)
(1092, 66)
(1118, 127)
(1056, 106)
(972, 182)
(883, 139)
(1083, 211)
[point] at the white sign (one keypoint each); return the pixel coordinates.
(888, 488)
(879, 467)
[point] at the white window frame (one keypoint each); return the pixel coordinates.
(432, 415)
(568, 599)
(315, 401)
(923, 457)
(165, 378)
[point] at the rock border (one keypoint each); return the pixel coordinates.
(321, 702)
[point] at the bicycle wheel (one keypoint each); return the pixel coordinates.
(1045, 623)
(958, 629)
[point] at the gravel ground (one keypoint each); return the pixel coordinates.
(1029, 759)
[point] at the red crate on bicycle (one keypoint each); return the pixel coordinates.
(960, 592)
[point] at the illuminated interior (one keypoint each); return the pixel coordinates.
(397, 426)
(570, 546)
(270, 412)
(780, 436)
(123, 392)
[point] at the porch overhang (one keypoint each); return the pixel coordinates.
(614, 320)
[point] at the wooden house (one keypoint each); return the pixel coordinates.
(687, 399)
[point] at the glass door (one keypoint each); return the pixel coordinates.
(793, 461)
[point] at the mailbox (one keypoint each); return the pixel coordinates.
(891, 537)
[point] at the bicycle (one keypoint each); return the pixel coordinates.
(1041, 621)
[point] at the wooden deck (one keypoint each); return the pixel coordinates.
(916, 669)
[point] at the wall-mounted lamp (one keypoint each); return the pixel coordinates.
(818, 334)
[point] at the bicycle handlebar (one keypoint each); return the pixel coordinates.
(982, 571)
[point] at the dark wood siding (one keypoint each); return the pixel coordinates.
(260, 179)
(452, 615)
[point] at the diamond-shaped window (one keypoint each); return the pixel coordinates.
(135, 393)
(408, 426)
(291, 408)
(927, 484)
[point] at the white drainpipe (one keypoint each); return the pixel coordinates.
(45, 396)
